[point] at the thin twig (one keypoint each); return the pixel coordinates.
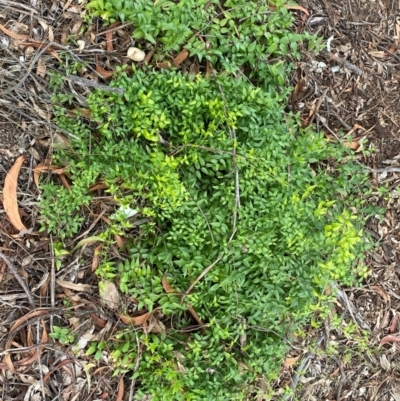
(382, 170)
(301, 369)
(389, 52)
(17, 110)
(39, 360)
(135, 368)
(12, 297)
(343, 298)
(30, 68)
(322, 120)
(14, 271)
(113, 29)
(52, 281)
(330, 56)
(18, 4)
(320, 100)
(232, 133)
(345, 125)
(91, 226)
(343, 379)
(36, 59)
(203, 273)
(87, 83)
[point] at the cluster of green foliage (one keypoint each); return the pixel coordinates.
(222, 174)
(294, 232)
(63, 335)
(230, 34)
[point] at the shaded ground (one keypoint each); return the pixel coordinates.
(342, 359)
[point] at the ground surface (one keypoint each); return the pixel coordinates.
(366, 34)
(334, 362)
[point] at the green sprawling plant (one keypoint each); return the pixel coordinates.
(224, 175)
(219, 175)
(232, 34)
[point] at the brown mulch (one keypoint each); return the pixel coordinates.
(355, 359)
(333, 362)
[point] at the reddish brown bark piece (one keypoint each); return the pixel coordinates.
(10, 202)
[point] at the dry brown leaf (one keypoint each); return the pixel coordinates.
(153, 325)
(10, 202)
(109, 294)
(149, 55)
(77, 26)
(28, 316)
(7, 362)
(381, 292)
(164, 65)
(356, 127)
(98, 186)
(109, 40)
(389, 339)
(352, 145)
(136, 320)
(298, 8)
(120, 242)
(180, 58)
(51, 36)
(54, 54)
(35, 44)
(44, 25)
(104, 73)
(195, 315)
(121, 387)
(98, 322)
(41, 68)
(12, 34)
(194, 69)
(74, 287)
(58, 366)
(167, 288)
(393, 324)
(95, 260)
(42, 167)
(40, 45)
(289, 361)
(65, 182)
(379, 54)
(42, 113)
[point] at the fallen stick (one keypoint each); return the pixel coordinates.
(14, 271)
(88, 83)
(330, 56)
